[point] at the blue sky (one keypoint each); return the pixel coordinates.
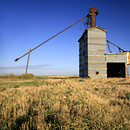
(25, 24)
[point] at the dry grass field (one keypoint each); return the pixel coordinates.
(64, 102)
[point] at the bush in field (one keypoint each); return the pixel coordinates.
(23, 76)
(28, 76)
(127, 95)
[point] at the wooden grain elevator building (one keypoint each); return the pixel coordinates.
(94, 62)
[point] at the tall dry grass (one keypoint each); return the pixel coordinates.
(64, 103)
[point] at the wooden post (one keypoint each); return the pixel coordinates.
(28, 61)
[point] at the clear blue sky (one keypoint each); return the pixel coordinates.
(25, 24)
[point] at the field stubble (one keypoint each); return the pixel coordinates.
(64, 103)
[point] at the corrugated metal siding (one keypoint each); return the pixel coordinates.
(83, 43)
(96, 40)
(97, 64)
(96, 47)
(85, 60)
(101, 72)
(97, 76)
(92, 54)
(85, 72)
(97, 52)
(97, 58)
(85, 36)
(95, 32)
(117, 57)
(92, 59)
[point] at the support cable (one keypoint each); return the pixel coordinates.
(120, 49)
(109, 47)
(50, 38)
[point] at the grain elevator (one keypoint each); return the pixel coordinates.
(94, 62)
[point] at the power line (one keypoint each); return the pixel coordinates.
(50, 39)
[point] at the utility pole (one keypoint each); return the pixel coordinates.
(28, 61)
